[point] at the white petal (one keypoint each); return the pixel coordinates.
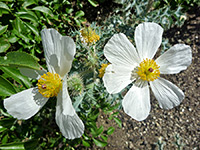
(176, 59)
(167, 94)
(148, 37)
(25, 104)
(59, 51)
(116, 78)
(120, 51)
(136, 103)
(140, 83)
(68, 121)
(31, 73)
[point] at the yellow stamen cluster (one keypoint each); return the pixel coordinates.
(49, 84)
(102, 70)
(89, 35)
(148, 70)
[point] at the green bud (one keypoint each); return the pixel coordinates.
(75, 84)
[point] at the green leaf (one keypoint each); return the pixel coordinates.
(4, 6)
(96, 132)
(3, 29)
(7, 0)
(118, 121)
(110, 130)
(4, 45)
(77, 22)
(6, 88)
(93, 115)
(43, 9)
(7, 122)
(13, 38)
(16, 75)
(86, 137)
(15, 146)
(69, 10)
(100, 130)
(21, 35)
(79, 14)
(20, 59)
(5, 139)
(68, 2)
(85, 143)
(78, 101)
(93, 3)
(93, 131)
(29, 145)
(105, 138)
(2, 129)
(99, 143)
(29, 15)
(32, 27)
(3, 11)
(28, 3)
(2, 62)
(18, 25)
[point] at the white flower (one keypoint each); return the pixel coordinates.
(59, 53)
(131, 65)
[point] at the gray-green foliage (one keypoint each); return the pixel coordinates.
(160, 144)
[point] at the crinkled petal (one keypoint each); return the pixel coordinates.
(167, 94)
(116, 78)
(136, 103)
(148, 37)
(176, 59)
(120, 51)
(59, 51)
(68, 121)
(25, 104)
(31, 73)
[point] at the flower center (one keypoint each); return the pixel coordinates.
(148, 70)
(102, 70)
(89, 35)
(49, 84)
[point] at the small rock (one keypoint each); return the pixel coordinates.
(131, 145)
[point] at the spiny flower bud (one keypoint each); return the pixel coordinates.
(75, 84)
